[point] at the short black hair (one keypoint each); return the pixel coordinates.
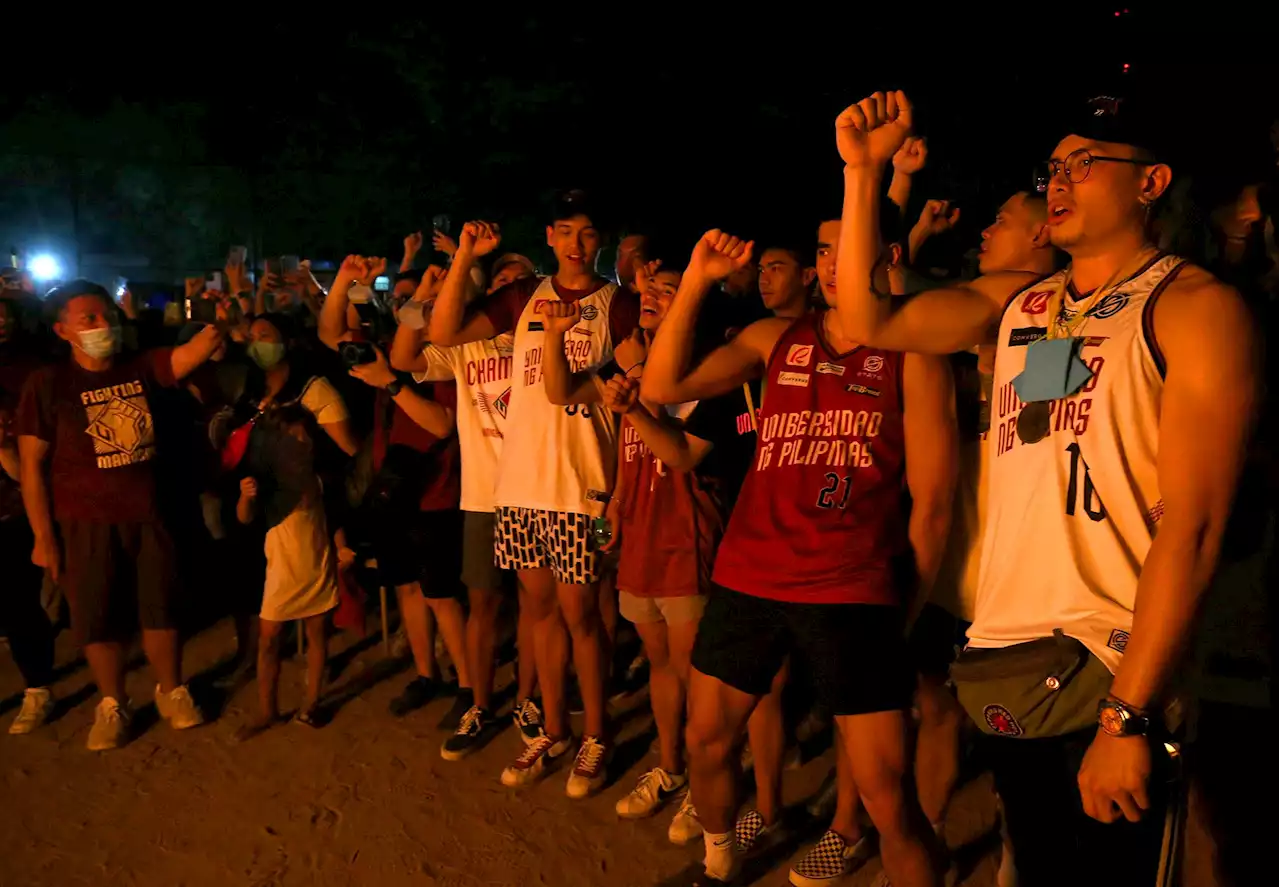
(892, 226)
(56, 299)
(804, 253)
(576, 202)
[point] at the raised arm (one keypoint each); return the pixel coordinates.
(935, 322)
(184, 359)
(333, 329)
(932, 444)
(563, 385)
(406, 348)
(668, 377)
(673, 446)
(907, 162)
(434, 417)
(449, 322)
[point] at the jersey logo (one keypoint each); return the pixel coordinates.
(855, 388)
(799, 380)
(501, 402)
(830, 369)
(872, 366)
(1025, 336)
(1001, 720)
(1037, 302)
(799, 355)
(1119, 640)
(1110, 306)
(590, 312)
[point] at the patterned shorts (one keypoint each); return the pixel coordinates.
(530, 539)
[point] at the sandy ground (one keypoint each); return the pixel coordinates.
(366, 800)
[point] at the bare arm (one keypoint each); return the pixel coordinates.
(428, 414)
(675, 447)
(449, 323)
(1206, 415)
(406, 350)
(332, 325)
(563, 385)
(32, 453)
(184, 359)
(932, 443)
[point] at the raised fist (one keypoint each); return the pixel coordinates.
(248, 488)
(413, 243)
(911, 157)
(560, 317)
(352, 269)
(717, 255)
(443, 243)
(429, 285)
(479, 238)
(937, 217)
(621, 394)
(869, 133)
(375, 267)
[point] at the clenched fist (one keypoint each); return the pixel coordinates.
(937, 217)
(248, 488)
(717, 255)
(911, 157)
(869, 133)
(621, 394)
(560, 317)
(479, 239)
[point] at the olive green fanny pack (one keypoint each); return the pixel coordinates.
(1042, 688)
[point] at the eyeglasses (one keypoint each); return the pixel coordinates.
(1076, 167)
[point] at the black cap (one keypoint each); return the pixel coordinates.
(1120, 120)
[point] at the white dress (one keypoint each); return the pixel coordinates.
(301, 576)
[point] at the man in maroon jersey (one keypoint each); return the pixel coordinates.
(809, 564)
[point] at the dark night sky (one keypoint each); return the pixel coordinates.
(324, 139)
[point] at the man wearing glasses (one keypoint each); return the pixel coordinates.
(1123, 395)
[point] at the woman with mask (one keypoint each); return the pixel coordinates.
(280, 484)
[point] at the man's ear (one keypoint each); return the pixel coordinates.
(809, 275)
(895, 254)
(62, 332)
(550, 234)
(1040, 238)
(1158, 178)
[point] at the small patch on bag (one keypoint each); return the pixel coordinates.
(1119, 640)
(1001, 720)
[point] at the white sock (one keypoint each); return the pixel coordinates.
(721, 860)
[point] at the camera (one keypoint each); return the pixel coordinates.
(356, 354)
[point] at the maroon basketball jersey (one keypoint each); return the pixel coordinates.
(820, 516)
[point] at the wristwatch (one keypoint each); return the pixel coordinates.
(1118, 719)
(394, 388)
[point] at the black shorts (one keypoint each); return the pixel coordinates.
(426, 547)
(856, 653)
(117, 577)
(934, 640)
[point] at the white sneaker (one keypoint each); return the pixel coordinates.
(652, 790)
(37, 703)
(535, 759)
(178, 708)
(588, 774)
(110, 726)
(684, 827)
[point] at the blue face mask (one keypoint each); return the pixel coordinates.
(266, 354)
(99, 343)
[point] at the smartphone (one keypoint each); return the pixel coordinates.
(356, 354)
(215, 281)
(274, 267)
(289, 264)
(441, 223)
(237, 255)
(382, 284)
(122, 284)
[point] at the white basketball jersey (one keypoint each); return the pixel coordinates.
(553, 455)
(1069, 520)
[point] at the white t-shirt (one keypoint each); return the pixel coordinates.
(482, 371)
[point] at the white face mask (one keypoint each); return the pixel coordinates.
(99, 343)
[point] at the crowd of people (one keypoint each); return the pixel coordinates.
(831, 480)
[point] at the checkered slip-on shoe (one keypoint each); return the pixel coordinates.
(829, 860)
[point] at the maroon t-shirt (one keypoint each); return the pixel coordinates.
(444, 480)
(100, 433)
(504, 307)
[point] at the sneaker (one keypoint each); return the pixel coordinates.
(417, 693)
(535, 759)
(110, 725)
(754, 836)
(684, 827)
(475, 727)
(37, 703)
(653, 790)
(588, 773)
(178, 708)
(462, 703)
(829, 860)
(528, 720)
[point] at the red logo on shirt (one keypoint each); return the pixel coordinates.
(1037, 302)
(799, 355)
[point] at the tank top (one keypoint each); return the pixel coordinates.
(552, 455)
(819, 519)
(1069, 519)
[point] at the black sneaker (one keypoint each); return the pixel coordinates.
(474, 728)
(528, 720)
(462, 703)
(416, 694)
